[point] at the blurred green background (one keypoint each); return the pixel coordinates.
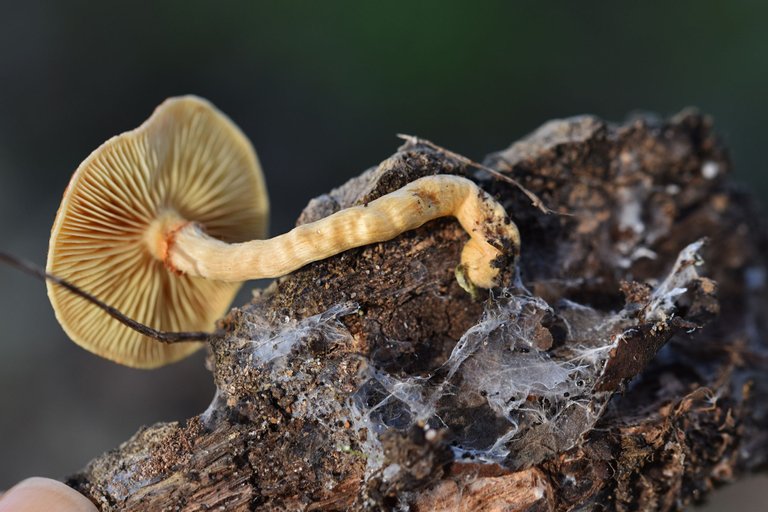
(321, 89)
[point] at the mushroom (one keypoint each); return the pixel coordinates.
(163, 222)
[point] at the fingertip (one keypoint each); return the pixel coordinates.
(38, 494)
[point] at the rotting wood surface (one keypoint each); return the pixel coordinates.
(317, 377)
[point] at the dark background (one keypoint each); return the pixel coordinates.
(321, 89)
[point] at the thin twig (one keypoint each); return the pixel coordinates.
(162, 336)
(535, 200)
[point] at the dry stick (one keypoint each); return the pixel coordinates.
(162, 336)
(535, 200)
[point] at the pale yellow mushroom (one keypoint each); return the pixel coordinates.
(155, 223)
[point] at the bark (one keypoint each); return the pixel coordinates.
(620, 367)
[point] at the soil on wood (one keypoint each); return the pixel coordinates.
(620, 366)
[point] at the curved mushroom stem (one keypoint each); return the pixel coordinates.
(184, 247)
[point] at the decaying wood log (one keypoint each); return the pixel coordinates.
(621, 367)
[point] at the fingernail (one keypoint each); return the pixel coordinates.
(44, 495)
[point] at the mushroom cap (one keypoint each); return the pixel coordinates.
(188, 161)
